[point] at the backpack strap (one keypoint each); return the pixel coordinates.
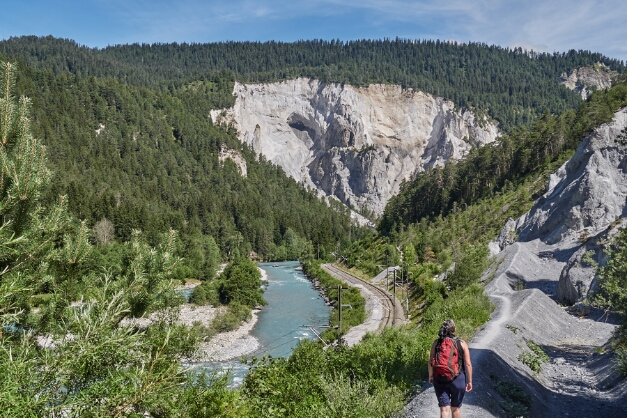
(460, 352)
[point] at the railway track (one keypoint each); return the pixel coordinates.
(393, 314)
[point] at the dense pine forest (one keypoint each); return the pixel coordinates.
(149, 160)
(513, 86)
(129, 137)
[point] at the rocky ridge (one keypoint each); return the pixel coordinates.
(356, 144)
(582, 208)
(586, 79)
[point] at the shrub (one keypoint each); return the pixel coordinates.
(469, 267)
(206, 294)
(241, 282)
(621, 360)
(225, 322)
(516, 402)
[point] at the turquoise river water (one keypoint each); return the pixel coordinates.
(292, 302)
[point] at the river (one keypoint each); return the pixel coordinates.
(292, 302)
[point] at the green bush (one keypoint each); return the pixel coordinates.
(241, 282)
(352, 316)
(538, 351)
(613, 277)
(206, 294)
(346, 398)
(469, 267)
(530, 360)
(241, 312)
(516, 402)
(621, 360)
(225, 322)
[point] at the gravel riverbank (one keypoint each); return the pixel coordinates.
(226, 345)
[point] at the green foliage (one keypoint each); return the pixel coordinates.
(470, 266)
(146, 158)
(534, 359)
(516, 402)
(81, 357)
(538, 351)
(240, 287)
(207, 396)
(206, 294)
(201, 256)
(382, 368)
(502, 166)
(510, 85)
(347, 398)
(612, 278)
(352, 316)
(461, 236)
(530, 360)
(512, 328)
(621, 360)
(232, 318)
(240, 282)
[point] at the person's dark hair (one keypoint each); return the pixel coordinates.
(447, 329)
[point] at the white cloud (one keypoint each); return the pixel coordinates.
(557, 25)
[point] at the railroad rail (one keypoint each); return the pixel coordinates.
(393, 314)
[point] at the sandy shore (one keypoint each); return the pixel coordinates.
(264, 275)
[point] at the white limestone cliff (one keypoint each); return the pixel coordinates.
(357, 144)
(585, 206)
(583, 80)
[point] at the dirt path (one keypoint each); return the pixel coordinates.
(577, 381)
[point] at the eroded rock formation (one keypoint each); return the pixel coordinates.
(582, 209)
(584, 80)
(357, 144)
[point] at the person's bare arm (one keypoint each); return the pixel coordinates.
(431, 357)
(468, 366)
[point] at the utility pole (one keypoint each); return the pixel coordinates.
(395, 283)
(339, 310)
(387, 273)
(394, 320)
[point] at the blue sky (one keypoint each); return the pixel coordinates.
(542, 25)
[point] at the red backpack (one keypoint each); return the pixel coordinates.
(449, 359)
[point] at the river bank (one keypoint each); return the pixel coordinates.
(226, 345)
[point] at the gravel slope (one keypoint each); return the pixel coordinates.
(576, 379)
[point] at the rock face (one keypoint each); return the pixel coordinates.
(583, 80)
(582, 208)
(357, 144)
(236, 157)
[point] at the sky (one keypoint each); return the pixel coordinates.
(541, 25)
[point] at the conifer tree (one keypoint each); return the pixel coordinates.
(29, 236)
(78, 359)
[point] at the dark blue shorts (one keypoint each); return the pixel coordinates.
(451, 394)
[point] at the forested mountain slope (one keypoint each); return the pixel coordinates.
(149, 160)
(495, 169)
(512, 86)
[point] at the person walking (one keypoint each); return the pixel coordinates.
(450, 370)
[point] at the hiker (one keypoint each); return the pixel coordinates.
(450, 370)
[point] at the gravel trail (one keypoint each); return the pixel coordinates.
(577, 381)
